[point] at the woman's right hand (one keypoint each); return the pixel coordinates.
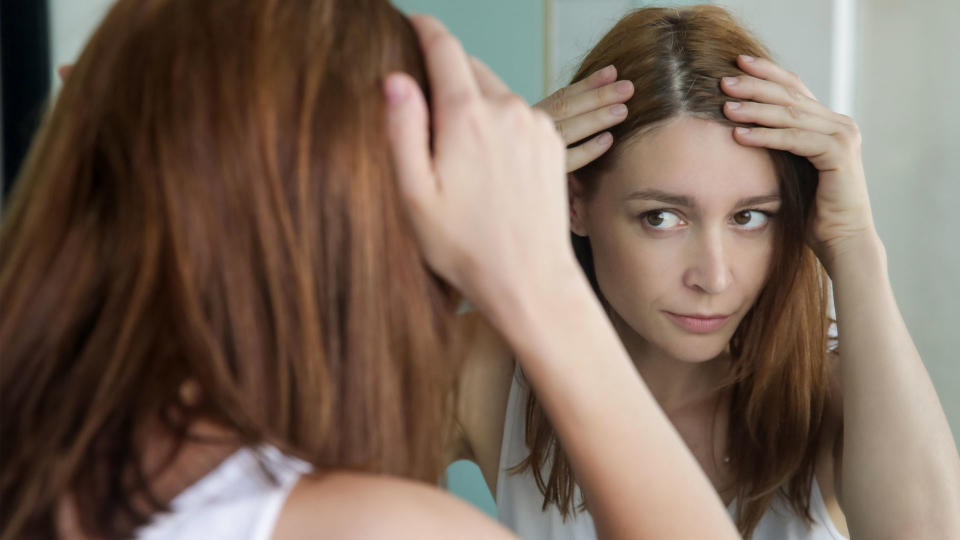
(489, 209)
(586, 108)
(489, 206)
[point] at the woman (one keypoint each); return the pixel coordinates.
(695, 237)
(217, 321)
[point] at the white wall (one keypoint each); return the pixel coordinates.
(798, 35)
(908, 83)
(575, 26)
(71, 23)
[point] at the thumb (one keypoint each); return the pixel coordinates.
(408, 132)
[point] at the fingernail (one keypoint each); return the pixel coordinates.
(742, 130)
(618, 110)
(604, 138)
(747, 58)
(730, 81)
(395, 89)
(624, 88)
(733, 105)
(608, 72)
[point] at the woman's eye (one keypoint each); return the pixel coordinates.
(751, 219)
(661, 219)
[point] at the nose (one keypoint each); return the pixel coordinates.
(708, 270)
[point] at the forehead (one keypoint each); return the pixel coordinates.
(693, 157)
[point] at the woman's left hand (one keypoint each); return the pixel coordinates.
(793, 120)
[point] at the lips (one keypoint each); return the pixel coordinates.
(698, 324)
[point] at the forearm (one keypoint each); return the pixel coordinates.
(640, 479)
(901, 472)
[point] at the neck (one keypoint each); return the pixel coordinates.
(676, 384)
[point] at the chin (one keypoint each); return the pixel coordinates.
(694, 350)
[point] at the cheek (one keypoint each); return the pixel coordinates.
(752, 264)
(627, 265)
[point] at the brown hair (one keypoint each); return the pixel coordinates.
(211, 200)
(676, 58)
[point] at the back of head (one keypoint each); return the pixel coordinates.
(211, 203)
(676, 58)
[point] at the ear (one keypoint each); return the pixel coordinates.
(575, 192)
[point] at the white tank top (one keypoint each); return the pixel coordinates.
(519, 502)
(239, 500)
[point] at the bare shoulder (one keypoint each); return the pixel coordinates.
(359, 506)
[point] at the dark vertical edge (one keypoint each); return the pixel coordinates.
(24, 77)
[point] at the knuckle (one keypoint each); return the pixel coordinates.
(795, 112)
(443, 40)
(792, 136)
(515, 105)
(463, 100)
(603, 95)
(850, 123)
(796, 96)
(469, 111)
(850, 136)
(857, 137)
(562, 93)
(465, 104)
(560, 104)
(514, 110)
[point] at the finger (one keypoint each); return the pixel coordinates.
(767, 69)
(580, 127)
(565, 104)
(597, 79)
(797, 141)
(778, 116)
(451, 79)
(490, 84)
(64, 71)
(408, 132)
(580, 155)
(754, 89)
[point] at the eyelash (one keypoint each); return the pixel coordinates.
(643, 217)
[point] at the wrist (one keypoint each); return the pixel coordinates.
(521, 308)
(861, 255)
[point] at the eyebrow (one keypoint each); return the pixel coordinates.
(689, 202)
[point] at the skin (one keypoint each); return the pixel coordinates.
(893, 462)
(447, 184)
(519, 270)
(672, 212)
(887, 468)
(584, 109)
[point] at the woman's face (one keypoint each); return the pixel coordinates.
(682, 232)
